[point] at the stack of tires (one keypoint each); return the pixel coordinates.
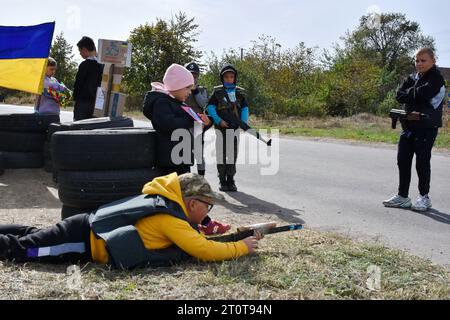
(22, 138)
(2, 169)
(102, 166)
(88, 124)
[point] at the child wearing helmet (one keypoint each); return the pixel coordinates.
(228, 107)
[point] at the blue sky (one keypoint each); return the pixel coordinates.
(231, 23)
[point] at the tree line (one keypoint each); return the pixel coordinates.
(359, 74)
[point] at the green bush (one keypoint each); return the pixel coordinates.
(387, 104)
(313, 107)
(134, 103)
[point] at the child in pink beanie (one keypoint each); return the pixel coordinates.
(164, 107)
(178, 80)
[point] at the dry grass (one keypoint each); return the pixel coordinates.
(305, 265)
(21, 99)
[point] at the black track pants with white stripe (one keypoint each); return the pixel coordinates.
(67, 241)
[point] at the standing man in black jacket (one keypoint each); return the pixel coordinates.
(423, 92)
(88, 79)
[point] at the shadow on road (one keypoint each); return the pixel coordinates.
(438, 216)
(251, 204)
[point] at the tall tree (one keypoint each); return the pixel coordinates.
(155, 47)
(371, 63)
(61, 51)
(390, 42)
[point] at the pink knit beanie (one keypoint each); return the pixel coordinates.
(177, 77)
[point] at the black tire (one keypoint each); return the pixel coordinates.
(48, 164)
(84, 189)
(27, 122)
(67, 212)
(23, 160)
(126, 128)
(91, 124)
(2, 169)
(55, 176)
(22, 141)
(104, 150)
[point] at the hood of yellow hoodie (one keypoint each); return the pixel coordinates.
(168, 187)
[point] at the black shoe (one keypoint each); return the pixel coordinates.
(202, 172)
(223, 186)
(231, 185)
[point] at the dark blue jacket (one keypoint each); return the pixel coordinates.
(424, 94)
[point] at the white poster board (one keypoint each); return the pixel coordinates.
(114, 52)
(100, 99)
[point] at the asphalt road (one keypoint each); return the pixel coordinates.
(339, 187)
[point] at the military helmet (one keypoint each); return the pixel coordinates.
(228, 68)
(193, 67)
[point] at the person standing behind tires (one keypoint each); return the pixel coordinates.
(88, 79)
(163, 107)
(48, 103)
(423, 92)
(198, 100)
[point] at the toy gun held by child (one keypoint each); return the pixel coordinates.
(234, 123)
(249, 231)
(398, 114)
(58, 92)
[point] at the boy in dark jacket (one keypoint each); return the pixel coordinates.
(88, 79)
(422, 93)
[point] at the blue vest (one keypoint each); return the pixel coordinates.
(114, 223)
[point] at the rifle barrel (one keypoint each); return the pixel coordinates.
(238, 236)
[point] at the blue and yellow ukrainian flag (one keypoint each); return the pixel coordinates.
(23, 56)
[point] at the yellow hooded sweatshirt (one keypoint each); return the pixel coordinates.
(161, 231)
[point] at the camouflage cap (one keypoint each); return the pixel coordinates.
(195, 185)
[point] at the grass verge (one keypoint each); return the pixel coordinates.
(305, 265)
(362, 127)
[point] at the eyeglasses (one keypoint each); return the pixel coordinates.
(210, 205)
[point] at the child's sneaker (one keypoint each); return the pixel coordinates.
(214, 228)
(398, 202)
(422, 204)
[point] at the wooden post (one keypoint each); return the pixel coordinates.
(108, 91)
(447, 109)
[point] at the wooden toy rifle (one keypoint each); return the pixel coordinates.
(249, 231)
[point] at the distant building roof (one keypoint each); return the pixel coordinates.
(445, 73)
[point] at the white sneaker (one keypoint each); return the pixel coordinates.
(398, 202)
(422, 204)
